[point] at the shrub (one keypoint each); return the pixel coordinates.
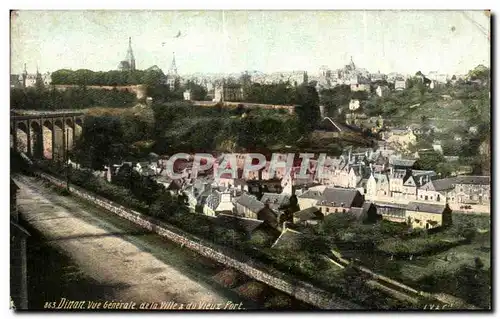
(416, 246)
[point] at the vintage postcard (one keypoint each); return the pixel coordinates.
(250, 160)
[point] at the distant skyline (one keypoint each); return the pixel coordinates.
(450, 42)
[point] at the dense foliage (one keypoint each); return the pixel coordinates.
(71, 98)
(280, 93)
(109, 78)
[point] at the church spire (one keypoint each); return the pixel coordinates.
(130, 55)
(173, 66)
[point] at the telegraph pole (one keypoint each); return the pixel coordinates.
(66, 155)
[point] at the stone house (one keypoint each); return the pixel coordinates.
(228, 92)
(474, 190)
(338, 173)
(371, 186)
(391, 211)
(197, 193)
(436, 190)
(397, 178)
(248, 206)
(355, 175)
(366, 214)
(217, 203)
(309, 198)
(414, 181)
(428, 216)
(258, 187)
(377, 186)
(410, 186)
(309, 216)
(380, 163)
(275, 201)
(339, 200)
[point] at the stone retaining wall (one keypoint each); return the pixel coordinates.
(298, 289)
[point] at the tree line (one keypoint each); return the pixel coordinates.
(107, 78)
(71, 98)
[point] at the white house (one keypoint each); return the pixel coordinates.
(354, 105)
(399, 85)
(382, 90)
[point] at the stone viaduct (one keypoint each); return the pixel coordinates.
(45, 134)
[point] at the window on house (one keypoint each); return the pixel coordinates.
(343, 210)
(336, 210)
(328, 210)
(426, 197)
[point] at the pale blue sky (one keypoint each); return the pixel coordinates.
(389, 41)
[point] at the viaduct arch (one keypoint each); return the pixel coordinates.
(45, 134)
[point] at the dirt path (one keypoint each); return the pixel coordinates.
(106, 252)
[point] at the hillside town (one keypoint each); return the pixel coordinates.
(380, 180)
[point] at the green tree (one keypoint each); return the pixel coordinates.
(198, 92)
(307, 108)
(94, 148)
(429, 160)
(335, 99)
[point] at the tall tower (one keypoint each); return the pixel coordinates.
(130, 55)
(353, 66)
(173, 66)
(172, 75)
(25, 76)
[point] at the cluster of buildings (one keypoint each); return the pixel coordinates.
(359, 79)
(27, 80)
(369, 183)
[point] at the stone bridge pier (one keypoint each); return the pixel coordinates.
(45, 135)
